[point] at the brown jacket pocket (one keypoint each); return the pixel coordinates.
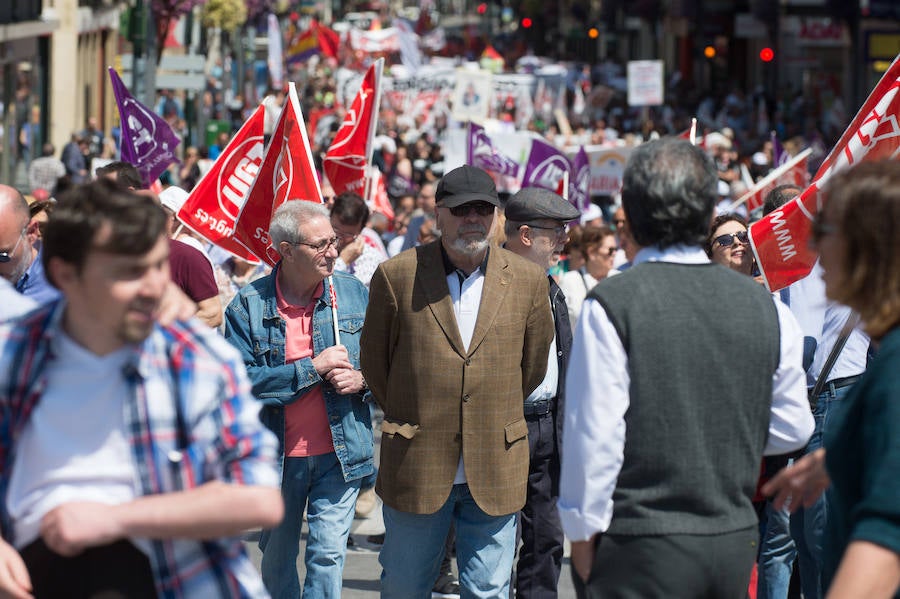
(515, 431)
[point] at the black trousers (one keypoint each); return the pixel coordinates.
(540, 556)
(683, 566)
(115, 571)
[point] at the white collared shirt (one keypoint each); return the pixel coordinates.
(466, 296)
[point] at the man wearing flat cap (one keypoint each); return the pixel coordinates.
(536, 229)
(455, 338)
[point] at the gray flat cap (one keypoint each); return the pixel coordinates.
(533, 203)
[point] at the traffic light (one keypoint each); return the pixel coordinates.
(526, 22)
(709, 51)
(593, 33)
(482, 8)
(767, 54)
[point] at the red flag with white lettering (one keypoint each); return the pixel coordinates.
(214, 203)
(793, 172)
(379, 200)
(781, 240)
(286, 172)
(351, 150)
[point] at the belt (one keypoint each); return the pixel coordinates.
(841, 382)
(832, 386)
(539, 407)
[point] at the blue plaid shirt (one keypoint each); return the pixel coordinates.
(191, 419)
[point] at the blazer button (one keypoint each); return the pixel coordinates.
(468, 361)
(466, 397)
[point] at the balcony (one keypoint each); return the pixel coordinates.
(19, 11)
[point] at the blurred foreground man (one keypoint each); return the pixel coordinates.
(456, 337)
(683, 373)
(131, 454)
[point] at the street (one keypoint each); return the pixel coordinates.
(361, 569)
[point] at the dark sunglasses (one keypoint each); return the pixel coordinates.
(480, 208)
(728, 238)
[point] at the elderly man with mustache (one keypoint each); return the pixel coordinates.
(455, 338)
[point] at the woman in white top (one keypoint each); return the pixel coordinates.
(598, 246)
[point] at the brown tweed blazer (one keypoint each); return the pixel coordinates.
(440, 400)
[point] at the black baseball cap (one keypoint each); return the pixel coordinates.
(466, 184)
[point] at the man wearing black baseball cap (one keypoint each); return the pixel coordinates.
(536, 229)
(456, 336)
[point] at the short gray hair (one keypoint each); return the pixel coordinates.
(292, 215)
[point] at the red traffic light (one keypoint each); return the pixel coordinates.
(767, 55)
(526, 23)
(482, 8)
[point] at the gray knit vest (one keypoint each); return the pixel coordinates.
(702, 344)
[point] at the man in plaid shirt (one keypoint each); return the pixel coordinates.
(131, 454)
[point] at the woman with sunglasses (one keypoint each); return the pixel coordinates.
(598, 248)
(857, 236)
(728, 243)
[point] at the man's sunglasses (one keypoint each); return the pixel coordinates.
(727, 239)
(7, 256)
(480, 208)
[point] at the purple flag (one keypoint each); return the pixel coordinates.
(779, 154)
(546, 166)
(481, 152)
(580, 181)
(147, 140)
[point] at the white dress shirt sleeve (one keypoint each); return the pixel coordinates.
(597, 398)
(790, 422)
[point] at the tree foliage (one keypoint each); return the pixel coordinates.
(226, 15)
(166, 12)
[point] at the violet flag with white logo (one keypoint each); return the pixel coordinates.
(580, 181)
(480, 152)
(546, 166)
(148, 142)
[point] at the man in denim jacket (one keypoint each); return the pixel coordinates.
(312, 390)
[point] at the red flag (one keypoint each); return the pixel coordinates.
(329, 40)
(286, 172)
(781, 240)
(795, 171)
(379, 201)
(215, 202)
(350, 152)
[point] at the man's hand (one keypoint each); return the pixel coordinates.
(346, 380)
(73, 527)
(353, 250)
(582, 558)
(331, 358)
(14, 580)
(800, 484)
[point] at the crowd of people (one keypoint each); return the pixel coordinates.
(542, 374)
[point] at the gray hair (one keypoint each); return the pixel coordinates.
(290, 217)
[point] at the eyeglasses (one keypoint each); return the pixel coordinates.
(728, 238)
(321, 247)
(561, 231)
(7, 256)
(609, 251)
(480, 208)
(346, 236)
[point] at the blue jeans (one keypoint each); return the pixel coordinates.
(414, 545)
(776, 555)
(808, 524)
(316, 484)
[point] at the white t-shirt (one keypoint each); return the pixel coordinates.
(57, 462)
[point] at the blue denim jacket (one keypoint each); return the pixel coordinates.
(254, 327)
